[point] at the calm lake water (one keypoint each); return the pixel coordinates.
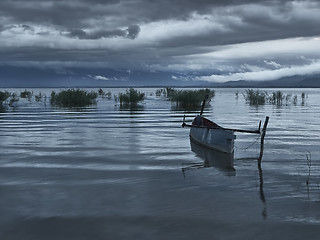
(103, 172)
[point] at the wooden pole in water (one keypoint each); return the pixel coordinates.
(203, 104)
(262, 140)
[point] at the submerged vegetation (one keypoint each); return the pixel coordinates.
(38, 97)
(7, 99)
(104, 94)
(3, 99)
(4, 96)
(186, 98)
(255, 97)
(26, 94)
(278, 98)
(73, 98)
(130, 98)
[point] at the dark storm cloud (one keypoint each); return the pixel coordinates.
(166, 35)
(131, 32)
(73, 12)
(27, 27)
(59, 13)
(246, 23)
(109, 17)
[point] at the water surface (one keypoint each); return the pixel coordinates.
(103, 172)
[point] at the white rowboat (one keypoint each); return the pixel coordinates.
(211, 135)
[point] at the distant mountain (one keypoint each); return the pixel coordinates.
(291, 82)
(24, 77)
(310, 82)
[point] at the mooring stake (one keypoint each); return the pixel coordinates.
(264, 129)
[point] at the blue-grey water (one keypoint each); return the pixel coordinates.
(103, 172)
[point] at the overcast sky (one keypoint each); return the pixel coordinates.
(189, 40)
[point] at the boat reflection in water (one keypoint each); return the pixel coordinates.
(212, 158)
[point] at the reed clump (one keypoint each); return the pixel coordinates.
(7, 99)
(130, 98)
(303, 97)
(13, 99)
(4, 96)
(278, 98)
(101, 92)
(255, 97)
(26, 94)
(104, 94)
(189, 98)
(161, 91)
(38, 97)
(73, 98)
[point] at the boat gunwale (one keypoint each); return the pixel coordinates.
(222, 128)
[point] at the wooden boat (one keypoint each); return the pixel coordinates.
(211, 135)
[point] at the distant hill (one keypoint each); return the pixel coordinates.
(291, 82)
(310, 82)
(24, 77)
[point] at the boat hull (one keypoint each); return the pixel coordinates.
(217, 139)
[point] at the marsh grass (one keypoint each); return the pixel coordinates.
(160, 92)
(101, 92)
(130, 98)
(108, 95)
(303, 97)
(186, 98)
(4, 96)
(26, 94)
(14, 98)
(255, 97)
(73, 98)
(306, 178)
(171, 92)
(309, 164)
(104, 94)
(278, 98)
(38, 97)
(3, 100)
(7, 99)
(295, 99)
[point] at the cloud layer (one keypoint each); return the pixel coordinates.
(201, 40)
